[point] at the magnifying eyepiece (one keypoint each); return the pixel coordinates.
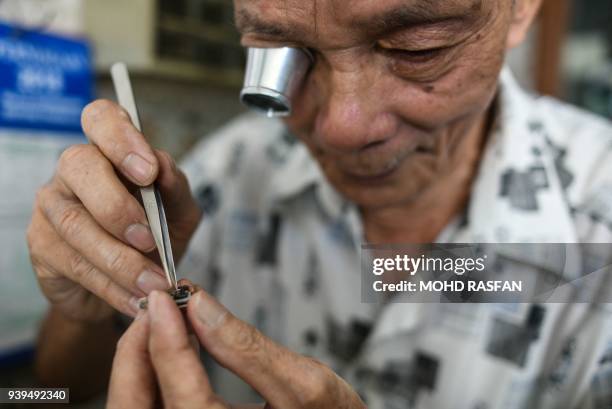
(272, 78)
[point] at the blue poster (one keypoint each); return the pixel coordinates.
(45, 80)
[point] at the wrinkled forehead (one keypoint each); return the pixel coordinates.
(308, 21)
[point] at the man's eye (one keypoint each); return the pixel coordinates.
(425, 65)
(414, 56)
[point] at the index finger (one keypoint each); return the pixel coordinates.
(108, 126)
(282, 377)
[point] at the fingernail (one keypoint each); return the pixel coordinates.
(140, 236)
(139, 168)
(209, 311)
(149, 281)
(134, 306)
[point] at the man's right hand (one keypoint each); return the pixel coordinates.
(89, 234)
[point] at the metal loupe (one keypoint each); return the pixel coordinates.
(272, 78)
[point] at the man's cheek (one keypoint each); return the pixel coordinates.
(467, 90)
(467, 87)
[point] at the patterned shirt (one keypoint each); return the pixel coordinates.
(280, 247)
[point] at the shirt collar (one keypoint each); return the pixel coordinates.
(517, 195)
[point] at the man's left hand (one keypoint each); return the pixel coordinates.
(154, 358)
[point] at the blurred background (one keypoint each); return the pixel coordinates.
(186, 65)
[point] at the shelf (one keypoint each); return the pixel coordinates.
(188, 26)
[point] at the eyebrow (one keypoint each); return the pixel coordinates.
(249, 23)
(417, 14)
(391, 21)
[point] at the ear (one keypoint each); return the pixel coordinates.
(523, 13)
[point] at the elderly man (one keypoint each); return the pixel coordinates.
(407, 129)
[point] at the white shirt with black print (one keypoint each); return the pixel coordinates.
(280, 247)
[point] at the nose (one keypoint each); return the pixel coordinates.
(352, 113)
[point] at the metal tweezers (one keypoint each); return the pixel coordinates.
(151, 198)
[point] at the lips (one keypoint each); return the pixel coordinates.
(370, 174)
(370, 168)
(375, 163)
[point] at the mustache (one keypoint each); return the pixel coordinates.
(369, 162)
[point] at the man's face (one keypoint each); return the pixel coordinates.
(396, 85)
